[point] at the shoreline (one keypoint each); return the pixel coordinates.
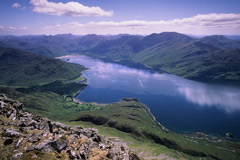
(78, 101)
(137, 65)
(195, 135)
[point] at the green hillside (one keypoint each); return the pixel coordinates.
(118, 49)
(127, 47)
(20, 68)
(197, 60)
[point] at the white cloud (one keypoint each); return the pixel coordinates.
(1, 27)
(23, 28)
(13, 28)
(199, 24)
(74, 9)
(208, 24)
(16, 5)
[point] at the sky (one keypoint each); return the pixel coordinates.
(103, 17)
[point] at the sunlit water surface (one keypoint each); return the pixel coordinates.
(179, 104)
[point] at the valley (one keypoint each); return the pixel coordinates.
(46, 86)
(119, 80)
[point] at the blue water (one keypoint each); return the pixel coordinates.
(179, 104)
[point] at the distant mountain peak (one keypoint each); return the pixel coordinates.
(216, 37)
(166, 36)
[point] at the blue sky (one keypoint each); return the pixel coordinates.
(200, 17)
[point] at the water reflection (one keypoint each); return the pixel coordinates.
(118, 77)
(224, 98)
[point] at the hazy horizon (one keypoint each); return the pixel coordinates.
(106, 35)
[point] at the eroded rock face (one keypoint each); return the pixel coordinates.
(29, 135)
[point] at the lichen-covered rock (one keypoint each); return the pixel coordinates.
(11, 133)
(60, 144)
(27, 136)
(17, 156)
(18, 142)
(44, 145)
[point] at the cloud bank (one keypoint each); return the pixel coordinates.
(74, 9)
(204, 24)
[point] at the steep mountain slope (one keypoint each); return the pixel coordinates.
(126, 47)
(121, 48)
(211, 58)
(154, 39)
(18, 67)
(220, 42)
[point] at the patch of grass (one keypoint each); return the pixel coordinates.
(79, 79)
(58, 87)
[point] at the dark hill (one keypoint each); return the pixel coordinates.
(18, 67)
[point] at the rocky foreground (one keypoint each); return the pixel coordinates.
(27, 136)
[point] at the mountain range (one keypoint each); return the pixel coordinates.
(211, 58)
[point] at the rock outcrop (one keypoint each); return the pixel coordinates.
(27, 136)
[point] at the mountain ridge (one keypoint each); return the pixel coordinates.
(172, 52)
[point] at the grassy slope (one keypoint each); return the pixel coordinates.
(21, 68)
(196, 60)
(131, 122)
(126, 47)
(123, 48)
(134, 119)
